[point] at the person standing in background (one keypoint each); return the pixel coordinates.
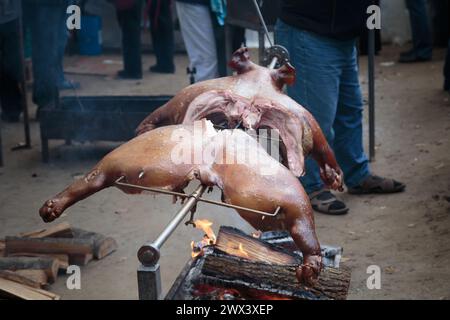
(63, 83)
(321, 37)
(421, 35)
(447, 69)
(43, 19)
(198, 35)
(129, 15)
(161, 28)
(10, 64)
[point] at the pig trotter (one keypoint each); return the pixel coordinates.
(51, 210)
(309, 271)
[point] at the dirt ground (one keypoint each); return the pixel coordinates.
(407, 235)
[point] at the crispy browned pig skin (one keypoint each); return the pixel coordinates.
(147, 160)
(254, 98)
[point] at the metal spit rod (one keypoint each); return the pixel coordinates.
(199, 199)
(274, 61)
(149, 253)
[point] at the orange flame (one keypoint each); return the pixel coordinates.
(237, 251)
(208, 239)
(205, 225)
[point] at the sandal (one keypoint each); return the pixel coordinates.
(325, 202)
(376, 184)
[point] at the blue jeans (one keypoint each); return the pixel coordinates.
(327, 85)
(420, 29)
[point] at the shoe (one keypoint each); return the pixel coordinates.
(128, 76)
(159, 69)
(412, 57)
(325, 202)
(377, 185)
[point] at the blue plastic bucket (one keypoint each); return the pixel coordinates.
(90, 36)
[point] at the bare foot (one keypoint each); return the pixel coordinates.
(51, 210)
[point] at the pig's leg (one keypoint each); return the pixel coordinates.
(93, 182)
(330, 172)
(304, 235)
(250, 190)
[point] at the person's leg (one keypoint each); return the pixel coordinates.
(10, 71)
(316, 87)
(220, 41)
(447, 69)
(130, 23)
(44, 23)
(63, 35)
(420, 29)
(348, 141)
(197, 31)
(161, 29)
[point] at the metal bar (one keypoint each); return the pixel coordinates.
(263, 23)
(193, 198)
(371, 75)
(149, 282)
(200, 199)
(273, 63)
(26, 118)
(149, 253)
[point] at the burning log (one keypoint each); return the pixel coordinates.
(247, 263)
(233, 241)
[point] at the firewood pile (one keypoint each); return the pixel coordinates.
(240, 267)
(30, 262)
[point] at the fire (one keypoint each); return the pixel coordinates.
(205, 225)
(237, 251)
(208, 239)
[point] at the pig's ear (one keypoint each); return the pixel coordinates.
(240, 62)
(284, 75)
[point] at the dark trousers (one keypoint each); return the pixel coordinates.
(447, 69)
(161, 29)
(63, 36)
(43, 18)
(421, 35)
(130, 23)
(10, 69)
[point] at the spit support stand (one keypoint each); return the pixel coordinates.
(148, 273)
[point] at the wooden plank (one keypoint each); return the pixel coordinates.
(62, 230)
(62, 259)
(70, 246)
(80, 259)
(103, 246)
(236, 271)
(50, 266)
(16, 290)
(235, 242)
(17, 277)
(36, 275)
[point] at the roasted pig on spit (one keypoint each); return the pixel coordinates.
(170, 157)
(254, 99)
